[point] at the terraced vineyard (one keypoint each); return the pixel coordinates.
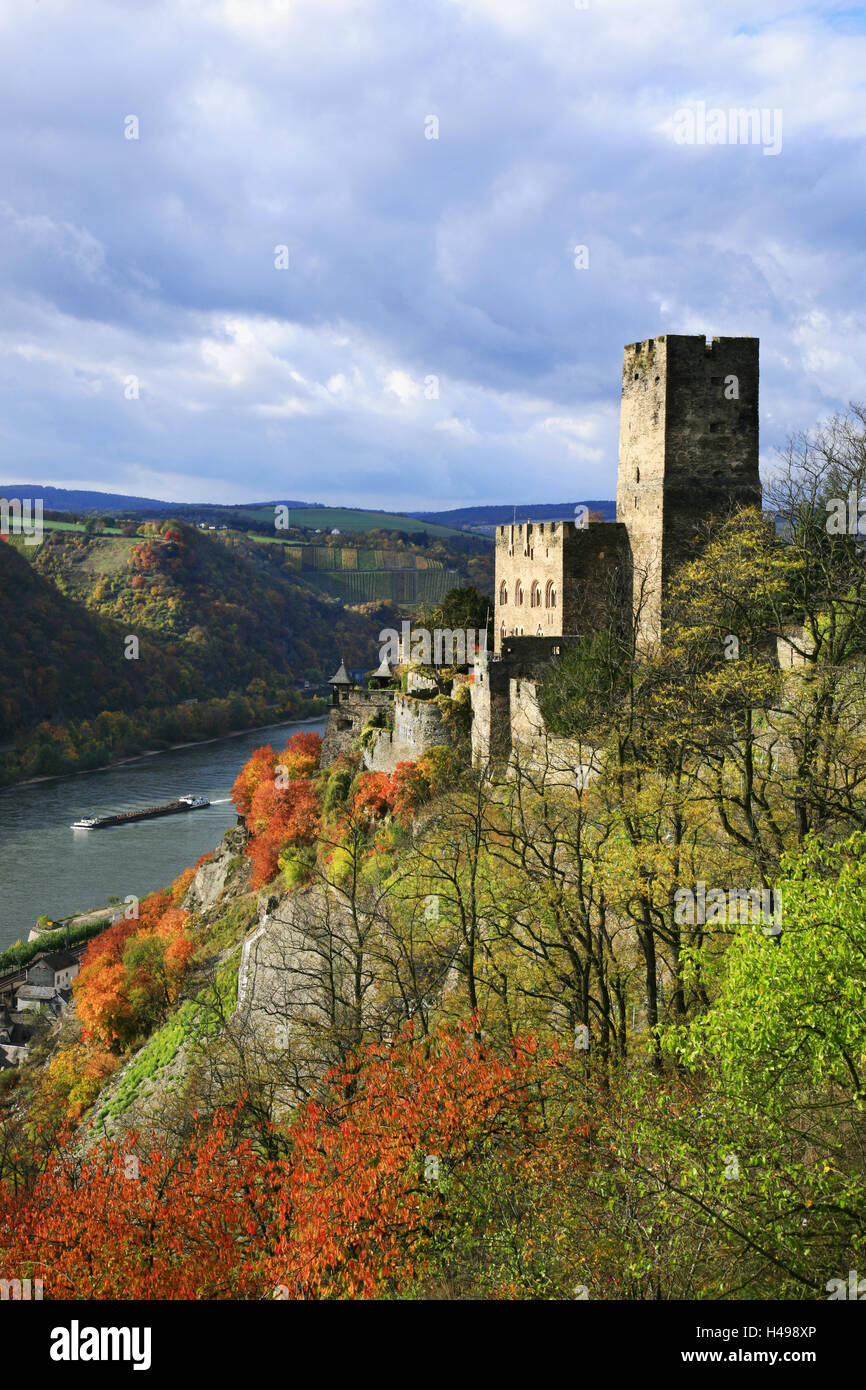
(364, 574)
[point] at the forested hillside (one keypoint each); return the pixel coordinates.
(226, 610)
(62, 661)
(224, 631)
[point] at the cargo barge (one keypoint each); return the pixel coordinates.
(174, 808)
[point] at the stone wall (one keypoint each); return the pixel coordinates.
(555, 578)
(498, 722)
(347, 720)
(541, 757)
(418, 727)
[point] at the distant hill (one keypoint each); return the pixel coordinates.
(229, 611)
(61, 499)
(500, 515)
(350, 519)
(256, 514)
(226, 630)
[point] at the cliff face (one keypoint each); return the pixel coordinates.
(225, 868)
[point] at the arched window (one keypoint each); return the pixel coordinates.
(518, 593)
(535, 595)
(503, 592)
(502, 632)
(550, 595)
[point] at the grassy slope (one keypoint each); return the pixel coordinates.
(350, 519)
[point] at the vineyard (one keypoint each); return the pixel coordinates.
(364, 574)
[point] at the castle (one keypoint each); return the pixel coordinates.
(688, 452)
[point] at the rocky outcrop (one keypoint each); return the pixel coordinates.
(225, 868)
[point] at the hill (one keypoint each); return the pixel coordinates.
(226, 633)
(355, 519)
(62, 661)
(501, 514)
(228, 611)
(61, 499)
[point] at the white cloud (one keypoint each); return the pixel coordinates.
(302, 123)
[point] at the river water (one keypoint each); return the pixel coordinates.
(45, 866)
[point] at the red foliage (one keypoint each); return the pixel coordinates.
(374, 795)
(301, 754)
(120, 1224)
(347, 1214)
(409, 788)
(258, 768)
(356, 1207)
(110, 994)
(279, 802)
(280, 816)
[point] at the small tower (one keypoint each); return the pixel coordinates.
(384, 675)
(340, 684)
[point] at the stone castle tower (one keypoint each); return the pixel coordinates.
(688, 450)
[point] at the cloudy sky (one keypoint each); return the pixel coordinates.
(431, 341)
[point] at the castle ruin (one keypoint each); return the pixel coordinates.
(688, 453)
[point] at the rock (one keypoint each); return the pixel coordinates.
(218, 872)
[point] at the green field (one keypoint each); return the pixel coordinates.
(349, 519)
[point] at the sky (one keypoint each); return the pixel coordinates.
(388, 252)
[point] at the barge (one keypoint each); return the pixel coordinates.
(173, 808)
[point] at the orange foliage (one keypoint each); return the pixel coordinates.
(356, 1207)
(181, 884)
(123, 1224)
(71, 1081)
(374, 795)
(301, 754)
(115, 987)
(280, 816)
(258, 768)
(348, 1213)
(280, 807)
(409, 788)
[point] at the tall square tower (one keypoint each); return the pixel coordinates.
(688, 450)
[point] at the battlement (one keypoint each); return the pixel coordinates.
(554, 577)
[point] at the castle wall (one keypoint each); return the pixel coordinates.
(541, 756)
(499, 723)
(491, 714)
(555, 578)
(418, 727)
(347, 719)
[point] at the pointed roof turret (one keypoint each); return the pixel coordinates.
(342, 677)
(385, 670)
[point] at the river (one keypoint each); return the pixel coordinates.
(46, 867)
